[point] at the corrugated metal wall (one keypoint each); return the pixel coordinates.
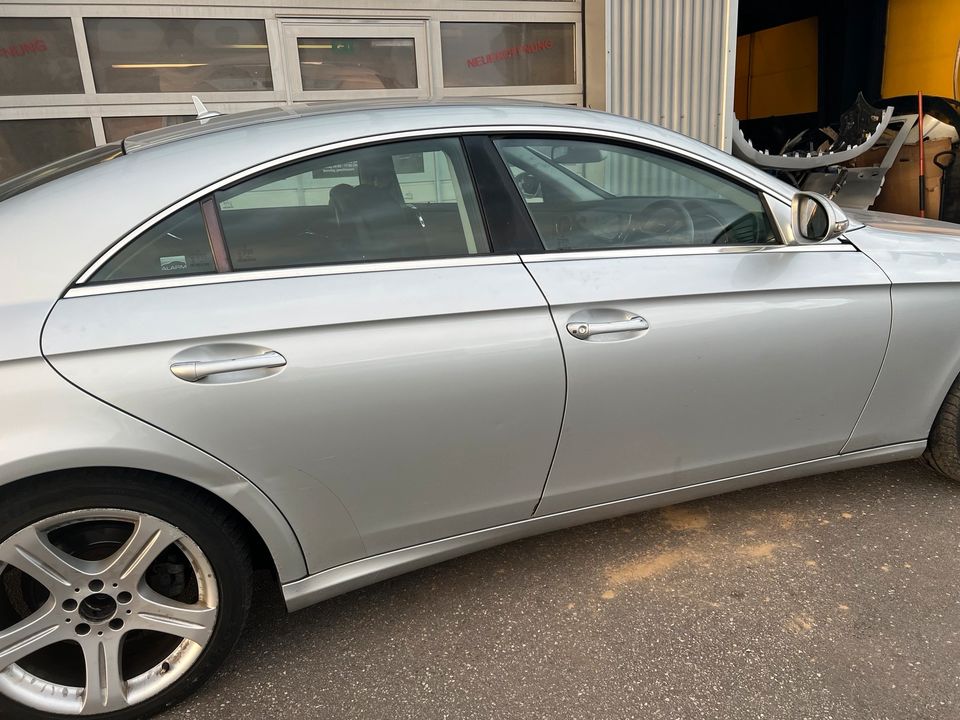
(671, 62)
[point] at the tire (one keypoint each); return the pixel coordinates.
(115, 580)
(943, 446)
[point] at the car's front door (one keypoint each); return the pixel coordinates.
(697, 345)
(362, 356)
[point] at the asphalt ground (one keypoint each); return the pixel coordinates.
(827, 597)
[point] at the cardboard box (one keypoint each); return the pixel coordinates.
(900, 191)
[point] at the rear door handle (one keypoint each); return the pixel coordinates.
(584, 330)
(193, 371)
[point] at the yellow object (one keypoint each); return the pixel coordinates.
(777, 71)
(921, 49)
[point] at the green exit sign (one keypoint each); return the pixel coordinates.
(342, 45)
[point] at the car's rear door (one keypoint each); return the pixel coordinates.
(365, 354)
(698, 346)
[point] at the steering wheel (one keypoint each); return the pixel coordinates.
(662, 222)
(728, 233)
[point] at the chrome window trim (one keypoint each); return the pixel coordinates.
(781, 214)
(290, 272)
(691, 250)
(318, 150)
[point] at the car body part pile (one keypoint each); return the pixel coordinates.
(870, 159)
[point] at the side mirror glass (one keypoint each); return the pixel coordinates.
(529, 184)
(815, 219)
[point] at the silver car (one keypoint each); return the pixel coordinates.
(343, 343)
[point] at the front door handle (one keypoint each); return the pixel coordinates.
(584, 330)
(193, 371)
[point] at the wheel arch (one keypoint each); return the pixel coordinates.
(49, 425)
(273, 542)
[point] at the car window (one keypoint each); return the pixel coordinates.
(586, 195)
(178, 245)
(384, 202)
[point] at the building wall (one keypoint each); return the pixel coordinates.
(595, 53)
(672, 64)
(921, 49)
(74, 74)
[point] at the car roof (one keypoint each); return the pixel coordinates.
(232, 121)
(242, 140)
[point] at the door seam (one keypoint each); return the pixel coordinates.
(566, 393)
(883, 360)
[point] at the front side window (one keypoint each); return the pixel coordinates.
(587, 195)
(385, 202)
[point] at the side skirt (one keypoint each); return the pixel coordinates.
(350, 576)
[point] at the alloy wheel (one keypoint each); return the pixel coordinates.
(101, 609)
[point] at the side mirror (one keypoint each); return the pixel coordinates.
(815, 219)
(576, 154)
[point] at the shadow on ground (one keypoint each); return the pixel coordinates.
(827, 597)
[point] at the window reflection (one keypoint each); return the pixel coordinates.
(509, 54)
(384, 202)
(178, 55)
(28, 144)
(176, 246)
(118, 128)
(38, 56)
(357, 63)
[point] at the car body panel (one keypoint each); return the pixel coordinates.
(329, 583)
(732, 375)
(57, 426)
(415, 404)
(923, 359)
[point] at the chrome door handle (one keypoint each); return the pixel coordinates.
(583, 330)
(193, 371)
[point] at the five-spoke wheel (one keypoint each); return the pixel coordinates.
(105, 609)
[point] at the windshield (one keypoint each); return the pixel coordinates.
(58, 169)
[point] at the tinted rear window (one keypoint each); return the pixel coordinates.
(58, 169)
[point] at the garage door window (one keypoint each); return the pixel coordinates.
(357, 63)
(149, 55)
(118, 128)
(386, 202)
(483, 54)
(28, 144)
(38, 56)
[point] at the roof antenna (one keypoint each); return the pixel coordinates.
(202, 113)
